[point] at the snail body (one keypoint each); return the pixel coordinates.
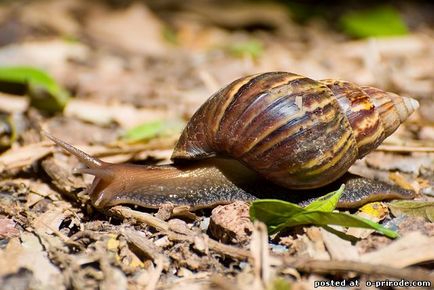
(287, 129)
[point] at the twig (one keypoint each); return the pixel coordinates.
(125, 212)
(145, 246)
(227, 250)
(309, 266)
(261, 255)
(162, 226)
(155, 274)
(403, 148)
(318, 266)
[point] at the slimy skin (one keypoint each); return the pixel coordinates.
(261, 136)
(206, 183)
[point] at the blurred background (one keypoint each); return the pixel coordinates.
(120, 79)
(114, 65)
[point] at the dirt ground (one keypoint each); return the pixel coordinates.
(127, 63)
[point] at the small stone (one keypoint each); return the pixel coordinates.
(179, 226)
(204, 224)
(8, 228)
(231, 223)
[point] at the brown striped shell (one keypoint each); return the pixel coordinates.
(294, 131)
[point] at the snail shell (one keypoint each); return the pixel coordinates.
(297, 132)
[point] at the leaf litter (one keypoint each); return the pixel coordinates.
(51, 238)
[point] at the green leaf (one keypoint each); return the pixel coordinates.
(321, 218)
(170, 35)
(273, 212)
(278, 214)
(251, 48)
(153, 129)
(279, 284)
(327, 202)
(423, 209)
(43, 90)
(8, 132)
(379, 21)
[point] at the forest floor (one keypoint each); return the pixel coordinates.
(155, 65)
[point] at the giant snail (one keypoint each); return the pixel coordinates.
(274, 132)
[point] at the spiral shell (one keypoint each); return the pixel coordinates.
(294, 131)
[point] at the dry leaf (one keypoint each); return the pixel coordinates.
(374, 211)
(231, 223)
(134, 30)
(338, 248)
(50, 221)
(127, 116)
(401, 253)
(29, 254)
(8, 229)
(22, 157)
(13, 103)
(423, 209)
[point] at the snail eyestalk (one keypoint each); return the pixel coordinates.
(88, 160)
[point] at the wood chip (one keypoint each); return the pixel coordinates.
(21, 158)
(8, 229)
(118, 29)
(29, 254)
(339, 248)
(49, 221)
(146, 247)
(231, 223)
(411, 249)
(127, 116)
(13, 103)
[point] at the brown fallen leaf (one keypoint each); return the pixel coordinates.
(305, 247)
(144, 247)
(127, 116)
(400, 180)
(38, 191)
(183, 256)
(20, 158)
(408, 164)
(318, 248)
(427, 133)
(13, 103)
(426, 186)
(423, 209)
(338, 248)
(402, 252)
(426, 109)
(8, 229)
(133, 30)
(51, 55)
(114, 279)
(393, 46)
(231, 223)
(49, 221)
(375, 211)
(29, 254)
(238, 14)
(61, 19)
(261, 255)
(405, 148)
(60, 171)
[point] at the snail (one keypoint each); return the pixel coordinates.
(264, 134)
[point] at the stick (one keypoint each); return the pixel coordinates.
(318, 266)
(401, 148)
(162, 226)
